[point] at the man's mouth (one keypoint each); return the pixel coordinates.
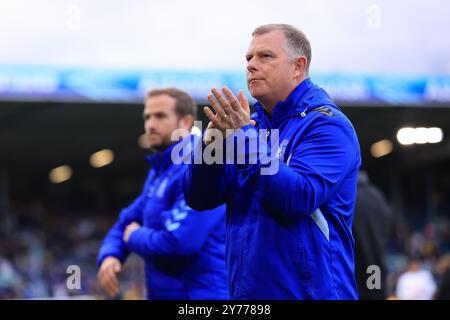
(253, 81)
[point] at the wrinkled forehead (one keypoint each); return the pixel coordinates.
(273, 40)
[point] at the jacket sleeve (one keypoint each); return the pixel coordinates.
(204, 184)
(317, 165)
(113, 245)
(184, 231)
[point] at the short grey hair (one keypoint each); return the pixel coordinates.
(297, 43)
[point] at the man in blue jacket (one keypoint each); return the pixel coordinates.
(183, 250)
(289, 228)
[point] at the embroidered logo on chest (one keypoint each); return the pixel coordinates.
(282, 149)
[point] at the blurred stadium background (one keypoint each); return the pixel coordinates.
(72, 79)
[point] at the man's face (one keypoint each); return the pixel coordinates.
(271, 76)
(160, 120)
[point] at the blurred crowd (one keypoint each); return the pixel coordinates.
(38, 244)
(418, 262)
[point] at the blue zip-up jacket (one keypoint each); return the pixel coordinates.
(289, 234)
(183, 249)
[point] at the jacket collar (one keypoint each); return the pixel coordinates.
(303, 99)
(161, 160)
(288, 107)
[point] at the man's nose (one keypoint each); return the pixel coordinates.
(251, 65)
(150, 125)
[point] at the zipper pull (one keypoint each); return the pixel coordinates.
(303, 114)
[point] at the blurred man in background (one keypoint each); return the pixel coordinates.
(443, 275)
(371, 226)
(183, 249)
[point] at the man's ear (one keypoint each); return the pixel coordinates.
(186, 122)
(300, 66)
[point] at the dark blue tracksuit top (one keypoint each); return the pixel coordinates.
(183, 249)
(289, 233)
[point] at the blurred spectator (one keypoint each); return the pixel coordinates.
(415, 283)
(371, 226)
(443, 275)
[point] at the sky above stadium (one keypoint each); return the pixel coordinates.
(347, 36)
